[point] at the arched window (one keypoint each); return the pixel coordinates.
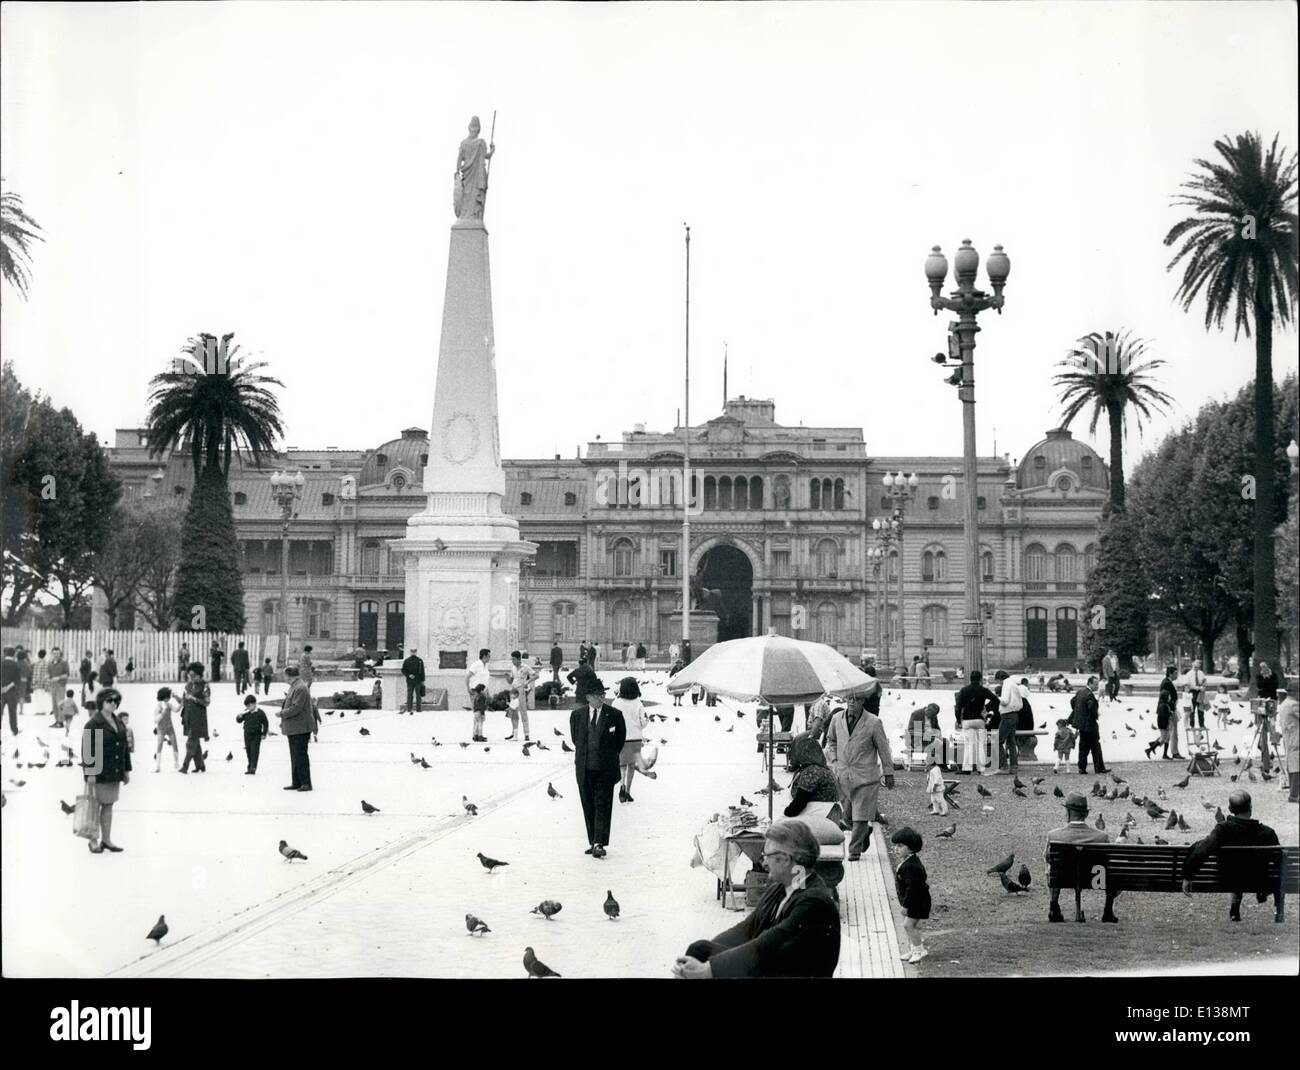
(826, 624)
(724, 492)
(564, 621)
(934, 564)
(887, 622)
(815, 494)
(986, 564)
(394, 625)
(934, 625)
(710, 492)
(1067, 632)
(1035, 565)
(368, 625)
(370, 558)
(828, 494)
(839, 494)
(826, 558)
(756, 492)
(742, 493)
(1067, 564)
(624, 558)
(1089, 557)
(622, 622)
(891, 566)
(1035, 632)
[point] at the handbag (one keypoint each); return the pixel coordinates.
(85, 818)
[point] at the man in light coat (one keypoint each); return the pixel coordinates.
(857, 749)
(1010, 702)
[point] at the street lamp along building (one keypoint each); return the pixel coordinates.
(781, 534)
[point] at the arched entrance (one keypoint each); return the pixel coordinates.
(727, 569)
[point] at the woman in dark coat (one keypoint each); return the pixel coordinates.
(107, 761)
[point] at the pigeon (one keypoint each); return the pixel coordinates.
(1234, 751)
(740, 713)
(1112, 795)
(470, 808)
(1123, 834)
(1124, 793)
(433, 741)
(42, 765)
(1172, 823)
(1129, 819)
(982, 790)
(1161, 793)
(1015, 781)
(1162, 841)
(158, 931)
(1184, 782)
(17, 783)
(1218, 745)
(1037, 780)
(1183, 826)
(1018, 793)
(1056, 790)
(1024, 876)
(716, 718)
(611, 906)
(364, 730)
(527, 753)
(1039, 791)
(1154, 811)
(1002, 866)
(1128, 726)
(541, 746)
(230, 756)
(1234, 776)
(1237, 760)
(677, 719)
(414, 759)
(463, 746)
(216, 734)
(66, 808)
(1011, 886)
(476, 926)
(564, 746)
(366, 808)
(1264, 773)
(535, 966)
(1114, 776)
(663, 742)
(881, 819)
(490, 863)
(1207, 805)
(1250, 762)
(1219, 819)
(487, 750)
(557, 732)
(745, 802)
(290, 853)
(731, 728)
(949, 832)
(550, 790)
(1101, 822)
(42, 742)
(424, 764)
(1097, 789)
(548, 908)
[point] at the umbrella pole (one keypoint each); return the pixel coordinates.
(771, 716)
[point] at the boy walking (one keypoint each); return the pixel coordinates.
(1063, 744)
(256, 727)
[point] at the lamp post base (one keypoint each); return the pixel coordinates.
(972, 645)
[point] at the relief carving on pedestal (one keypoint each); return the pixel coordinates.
(453, 615)
(460, 438)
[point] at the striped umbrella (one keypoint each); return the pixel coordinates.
(774, 670)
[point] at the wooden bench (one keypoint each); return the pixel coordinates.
(1123, 867)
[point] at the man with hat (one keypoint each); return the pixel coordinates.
(1077, 830)
(598, 732)
(857, 748)
(413, 671)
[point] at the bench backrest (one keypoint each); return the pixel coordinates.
(1159, 868)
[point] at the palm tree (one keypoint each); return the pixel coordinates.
(218, 402)
(1240, 247)
(1112, 373)
(17, 231)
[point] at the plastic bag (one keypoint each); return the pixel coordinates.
(646, 758)
(85, 818)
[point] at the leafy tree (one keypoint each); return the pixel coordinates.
(20, 583)
(160, 533)
(17, 231)
(1240, 249)
(1113, 374)
(1117, 593)
(209, 558)
(121, 564)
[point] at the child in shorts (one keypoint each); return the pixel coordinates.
(913, 892)
(163, 727)
(66, 711)
(1063, 743)
(1222, 708)
(934, 785)
(480, 712)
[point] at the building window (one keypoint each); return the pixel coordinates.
(815, 494)
(1086, 461)
(622, 622)
(839, 494)
(370, 559)
(826, 558)
(395, 567)
(1067, 565)
(756, 492)
(826, 624)
(327, 498)
(570, 498)
(1089, 559)
(320, 558)
(241, 498)
(564, 621)
(1040, 461)
(1035, 564)
(624, 558)
(382, 458)
(710, 492)
(932, 502)
(525, 498)
(178, 491)
(891, 566)
(556, 559)
(934, 565)
(781, 563)
(742, 492)
(724, 492)
(885, 504)
(668, 562)
(934, 625)
(986, 564)
(981, 502)
(319, 618)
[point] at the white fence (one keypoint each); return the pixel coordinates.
(156, 655)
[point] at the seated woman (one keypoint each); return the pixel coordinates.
(793, 932)
(815, 800)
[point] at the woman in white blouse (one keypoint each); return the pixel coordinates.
(635, 717)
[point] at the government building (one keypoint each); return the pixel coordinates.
(781, 534)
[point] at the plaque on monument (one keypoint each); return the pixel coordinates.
(453, 659)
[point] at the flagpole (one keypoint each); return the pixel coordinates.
(686, 468)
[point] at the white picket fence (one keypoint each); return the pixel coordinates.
(156, 655)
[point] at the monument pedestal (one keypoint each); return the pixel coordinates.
(704, 629)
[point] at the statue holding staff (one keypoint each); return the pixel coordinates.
(470, 192)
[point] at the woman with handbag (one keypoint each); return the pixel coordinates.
(106, 759)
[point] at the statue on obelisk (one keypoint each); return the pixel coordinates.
(472, 164)
(462, 553)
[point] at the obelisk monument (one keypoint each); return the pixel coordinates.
(462, 553)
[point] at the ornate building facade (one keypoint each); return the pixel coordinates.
(780, 527)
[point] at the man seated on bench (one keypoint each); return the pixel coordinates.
(1077, 830)
(793, 932)
(1239, 830)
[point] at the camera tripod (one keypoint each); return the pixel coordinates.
(1262, 735)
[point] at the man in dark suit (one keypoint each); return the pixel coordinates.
(1239, 830)
(598, 733)
(793, 932)
(413, 671)
(1077, 830)
(557, 660)
(1085, 719)
(239, 665)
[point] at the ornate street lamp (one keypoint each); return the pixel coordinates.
(286, 489)
(900, 489)
(968, 302)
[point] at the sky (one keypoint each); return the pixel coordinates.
(284, 171)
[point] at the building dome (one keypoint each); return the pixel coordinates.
(1059, 458)
(409, 453)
